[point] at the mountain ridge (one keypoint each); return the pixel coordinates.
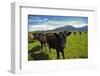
(67, 28)
(71, 28)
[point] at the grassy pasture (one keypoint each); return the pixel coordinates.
(76, 48)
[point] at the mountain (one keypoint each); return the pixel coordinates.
(70, 28)
(64, 28)
(84, 28)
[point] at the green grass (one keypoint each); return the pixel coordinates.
(76, 48)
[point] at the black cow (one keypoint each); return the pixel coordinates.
(74, 33)
(80, 33)
(57, 41)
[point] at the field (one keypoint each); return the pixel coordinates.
(76, 48)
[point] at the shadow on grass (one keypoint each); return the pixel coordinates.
(84, 57)
(31, 41)
(37, 54)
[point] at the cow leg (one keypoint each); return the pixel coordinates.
(45, 46)
(57, 54)
(63, 54)
(50, 50)
(80, 33)
(42, 46)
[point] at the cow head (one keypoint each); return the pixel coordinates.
(61, 39)
(63, 36)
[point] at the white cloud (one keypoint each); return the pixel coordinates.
(57, 22)
(76, 23)
(43, 27)
(61, 23)
(40, 27)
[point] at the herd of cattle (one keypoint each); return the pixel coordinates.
(53, 40)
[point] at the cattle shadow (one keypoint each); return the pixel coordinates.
(31, 41)
(37, 54)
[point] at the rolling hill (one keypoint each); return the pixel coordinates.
(70, 28)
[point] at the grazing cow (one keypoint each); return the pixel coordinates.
(57, 41)
(74, 33)
(80, 33)
(41, 37)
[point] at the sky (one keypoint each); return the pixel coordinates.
(50, 22)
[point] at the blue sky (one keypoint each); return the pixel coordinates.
(48, 22)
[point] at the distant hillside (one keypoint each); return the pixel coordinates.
(65, 28)
(70, 28)
(84, 28)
